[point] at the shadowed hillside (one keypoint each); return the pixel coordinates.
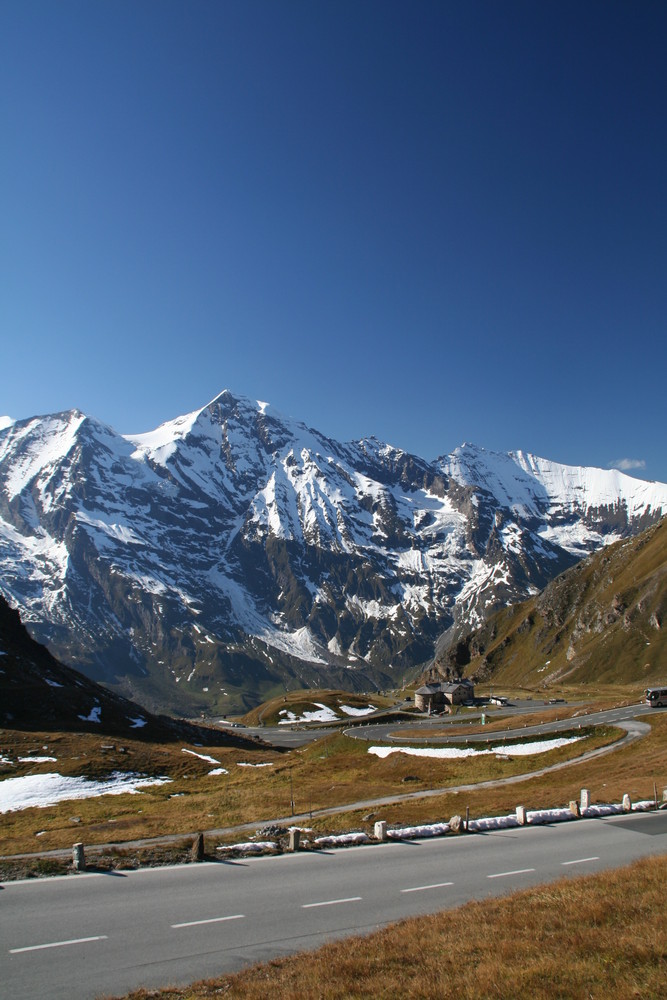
(39, 693)
(603, 621)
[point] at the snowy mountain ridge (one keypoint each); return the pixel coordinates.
(232, 550)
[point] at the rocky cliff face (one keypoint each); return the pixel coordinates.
(233, 551)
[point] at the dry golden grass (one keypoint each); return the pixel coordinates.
(634, 769)
(333, 772)
(192, 800)
(595, 936)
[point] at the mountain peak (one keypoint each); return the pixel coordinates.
(233, 549)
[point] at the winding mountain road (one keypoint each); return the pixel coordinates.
(394, 730)
(624, 718)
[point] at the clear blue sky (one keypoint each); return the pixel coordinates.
(432, 222)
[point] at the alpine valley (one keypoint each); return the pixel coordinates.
(234, 552)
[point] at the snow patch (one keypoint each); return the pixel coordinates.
(342, 840)
(250, 846)
(410, 832)
(455, 753)
(94, 715)
(47, 789)
(202, 756)
(323, 714)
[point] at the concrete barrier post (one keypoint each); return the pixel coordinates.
(585, 799)
(521, 815)
(574, 809)
(380, 830)
(198, 848)
(78, 858)
(294, 839)
(627, 803)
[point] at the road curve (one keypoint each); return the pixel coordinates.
(392, 731)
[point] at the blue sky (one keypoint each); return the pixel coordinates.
(432, 222)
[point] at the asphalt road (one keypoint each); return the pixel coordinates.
(286, 736)
(393, 731)
(78, 937)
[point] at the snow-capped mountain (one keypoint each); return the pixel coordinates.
(233, 551)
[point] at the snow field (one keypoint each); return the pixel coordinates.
(270, 474)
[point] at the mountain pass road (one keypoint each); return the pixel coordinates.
(83, 936)
(396, 730)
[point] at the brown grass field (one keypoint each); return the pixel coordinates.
(334, 771)
(590, 937)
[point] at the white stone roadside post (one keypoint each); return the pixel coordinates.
(380, 830)
(78, 858)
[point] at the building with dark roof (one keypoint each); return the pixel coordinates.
(439, 697)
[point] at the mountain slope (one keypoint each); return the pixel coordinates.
(39, 693)
(603, 621)
(233, 551)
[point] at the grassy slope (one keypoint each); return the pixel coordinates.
(594, 936)
(601, 622)
(298, 702)
(334, 771)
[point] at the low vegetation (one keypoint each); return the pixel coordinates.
(253, 788)
(600, 622)
(595, 936)
(296, 703)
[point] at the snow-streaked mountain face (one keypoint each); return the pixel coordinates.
(232, 550)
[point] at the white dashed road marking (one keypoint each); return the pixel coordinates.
(211, 920)
(519, 871)
(331, 902)
(420, 888)
(57, 944)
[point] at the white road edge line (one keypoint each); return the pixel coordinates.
(57, 944)
(419, 888)
(211, 920)
(579, 861)
(519, 871)
(331, 902)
